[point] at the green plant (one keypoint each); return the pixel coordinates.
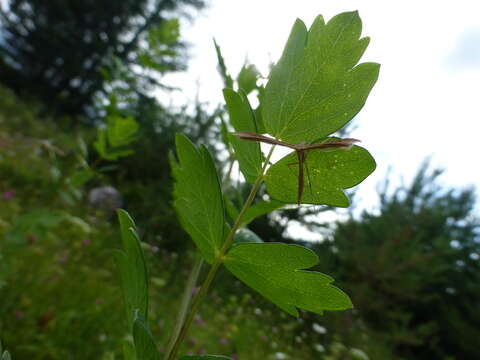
(313, 91)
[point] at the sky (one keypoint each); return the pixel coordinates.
(425, 102)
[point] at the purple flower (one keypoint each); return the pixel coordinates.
(8, 195)
(86, 242)
(223, 340)
(234, 356)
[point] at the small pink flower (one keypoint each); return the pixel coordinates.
(234, 356)
(99, 301)
(86, 242)
(8, 195)
(18, 315)
(223, 340)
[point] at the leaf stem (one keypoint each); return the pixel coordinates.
(217, 262)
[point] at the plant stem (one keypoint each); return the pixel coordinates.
(217, 262)
(186, 300)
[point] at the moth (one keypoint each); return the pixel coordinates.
(301, 150)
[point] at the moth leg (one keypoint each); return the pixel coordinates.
(308, 176)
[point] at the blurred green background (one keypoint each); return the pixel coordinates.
(82, 132)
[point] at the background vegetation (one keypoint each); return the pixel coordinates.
(411, 265)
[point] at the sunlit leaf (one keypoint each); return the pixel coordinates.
(248, 153)
(198, 198)
(276, 271)
(315, 88)
(326, 174)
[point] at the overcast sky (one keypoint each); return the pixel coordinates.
(427, 96)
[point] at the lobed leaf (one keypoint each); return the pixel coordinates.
(133, 270)
(326, 174)
(315, 88)
(198, 197)
(275, 271)
(248, 153)
(260, 208)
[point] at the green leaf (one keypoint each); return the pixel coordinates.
(248, 153)
(247, 78)
(81, 177)
(260, 208)
(231, 209)
(205, 357)
(245, 235)
(222, 68)
(315, 88)
(198, 197)
(258, 111)
(101, 143)
(145, 347)
(129, 351)
(133, 270)
(326, 174)
(275, 271)
(121, 130)
(112, 142)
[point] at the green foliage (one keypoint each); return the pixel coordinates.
(35, 223)
(244, 235)
(161, 52)
(260, 208)
(131, 263)
(39, 61)
(274, 271)
(112, 143)
(198, 198)
(145, 347)
(247, 78)
(242, 118)
(316, 88)
(4, 355)
(327, 173)
(204, 357)
(227, 79)
(417, 256)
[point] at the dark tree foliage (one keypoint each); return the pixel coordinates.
(413, 269)
(62, 51)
